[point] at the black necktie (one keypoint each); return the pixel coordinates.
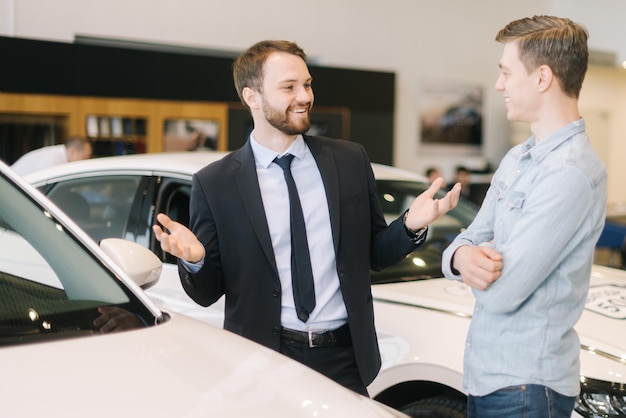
(301, 273)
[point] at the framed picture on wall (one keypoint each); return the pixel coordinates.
(190, 134)
(451, 114)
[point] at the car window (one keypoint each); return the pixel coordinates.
(395, 197)
(50, 285)
(100, 206)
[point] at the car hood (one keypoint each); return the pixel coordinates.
(182, 368)
(434, 294)
(600, 328)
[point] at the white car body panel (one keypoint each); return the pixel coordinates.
(181, 368)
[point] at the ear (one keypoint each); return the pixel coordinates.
(250, 97)
(546, 77)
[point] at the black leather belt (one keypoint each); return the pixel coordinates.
(339, 337)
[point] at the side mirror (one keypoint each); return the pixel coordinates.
(138, 262)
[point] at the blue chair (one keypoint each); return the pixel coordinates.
(613, 237)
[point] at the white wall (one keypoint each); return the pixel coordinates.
(603, 18)
(421, 41)
(603, 105)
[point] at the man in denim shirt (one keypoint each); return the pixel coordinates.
(529, 251)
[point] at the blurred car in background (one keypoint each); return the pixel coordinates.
(421, 318)
(60, 292)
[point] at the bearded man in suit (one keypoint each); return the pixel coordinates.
(239, 242)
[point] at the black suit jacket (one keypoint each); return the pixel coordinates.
(227, 215)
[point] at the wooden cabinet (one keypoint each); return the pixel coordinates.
(115, 125)
(118, 126)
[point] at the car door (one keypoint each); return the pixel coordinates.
(170, 195)
(103, 205)
(111, 205)
(172, 198)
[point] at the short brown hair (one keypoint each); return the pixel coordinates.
(556, 42)
(248, 67)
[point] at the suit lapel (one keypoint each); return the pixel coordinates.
(248, 185)
(330, 176)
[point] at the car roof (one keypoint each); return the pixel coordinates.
(175, 162)
(183, 163)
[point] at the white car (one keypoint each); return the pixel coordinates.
(421, 318)
(55, 285)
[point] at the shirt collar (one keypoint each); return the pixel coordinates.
(265, 156)
(539, 151)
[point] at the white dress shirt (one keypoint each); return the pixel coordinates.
(330, 311)
(40, 158)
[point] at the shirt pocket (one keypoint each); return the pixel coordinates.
(509, 199)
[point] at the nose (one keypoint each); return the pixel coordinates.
(499, 83)
(305, 95)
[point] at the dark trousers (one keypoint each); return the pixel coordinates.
(337, 363)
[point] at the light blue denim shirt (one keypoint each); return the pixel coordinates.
(544, 212)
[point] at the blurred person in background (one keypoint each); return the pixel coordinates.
(75, 148)
(475, 193)
(432, 173)
(240, 242)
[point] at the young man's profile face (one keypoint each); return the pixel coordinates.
(518, 86)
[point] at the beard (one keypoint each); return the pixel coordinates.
(280, 120)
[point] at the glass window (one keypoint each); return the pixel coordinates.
(395, 197)
(100, 206)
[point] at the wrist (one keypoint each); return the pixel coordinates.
(417, 236)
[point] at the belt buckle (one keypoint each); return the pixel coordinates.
(311, 334)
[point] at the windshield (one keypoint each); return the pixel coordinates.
(50, 285)
(395, 197)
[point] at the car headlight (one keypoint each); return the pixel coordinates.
(600, 399)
